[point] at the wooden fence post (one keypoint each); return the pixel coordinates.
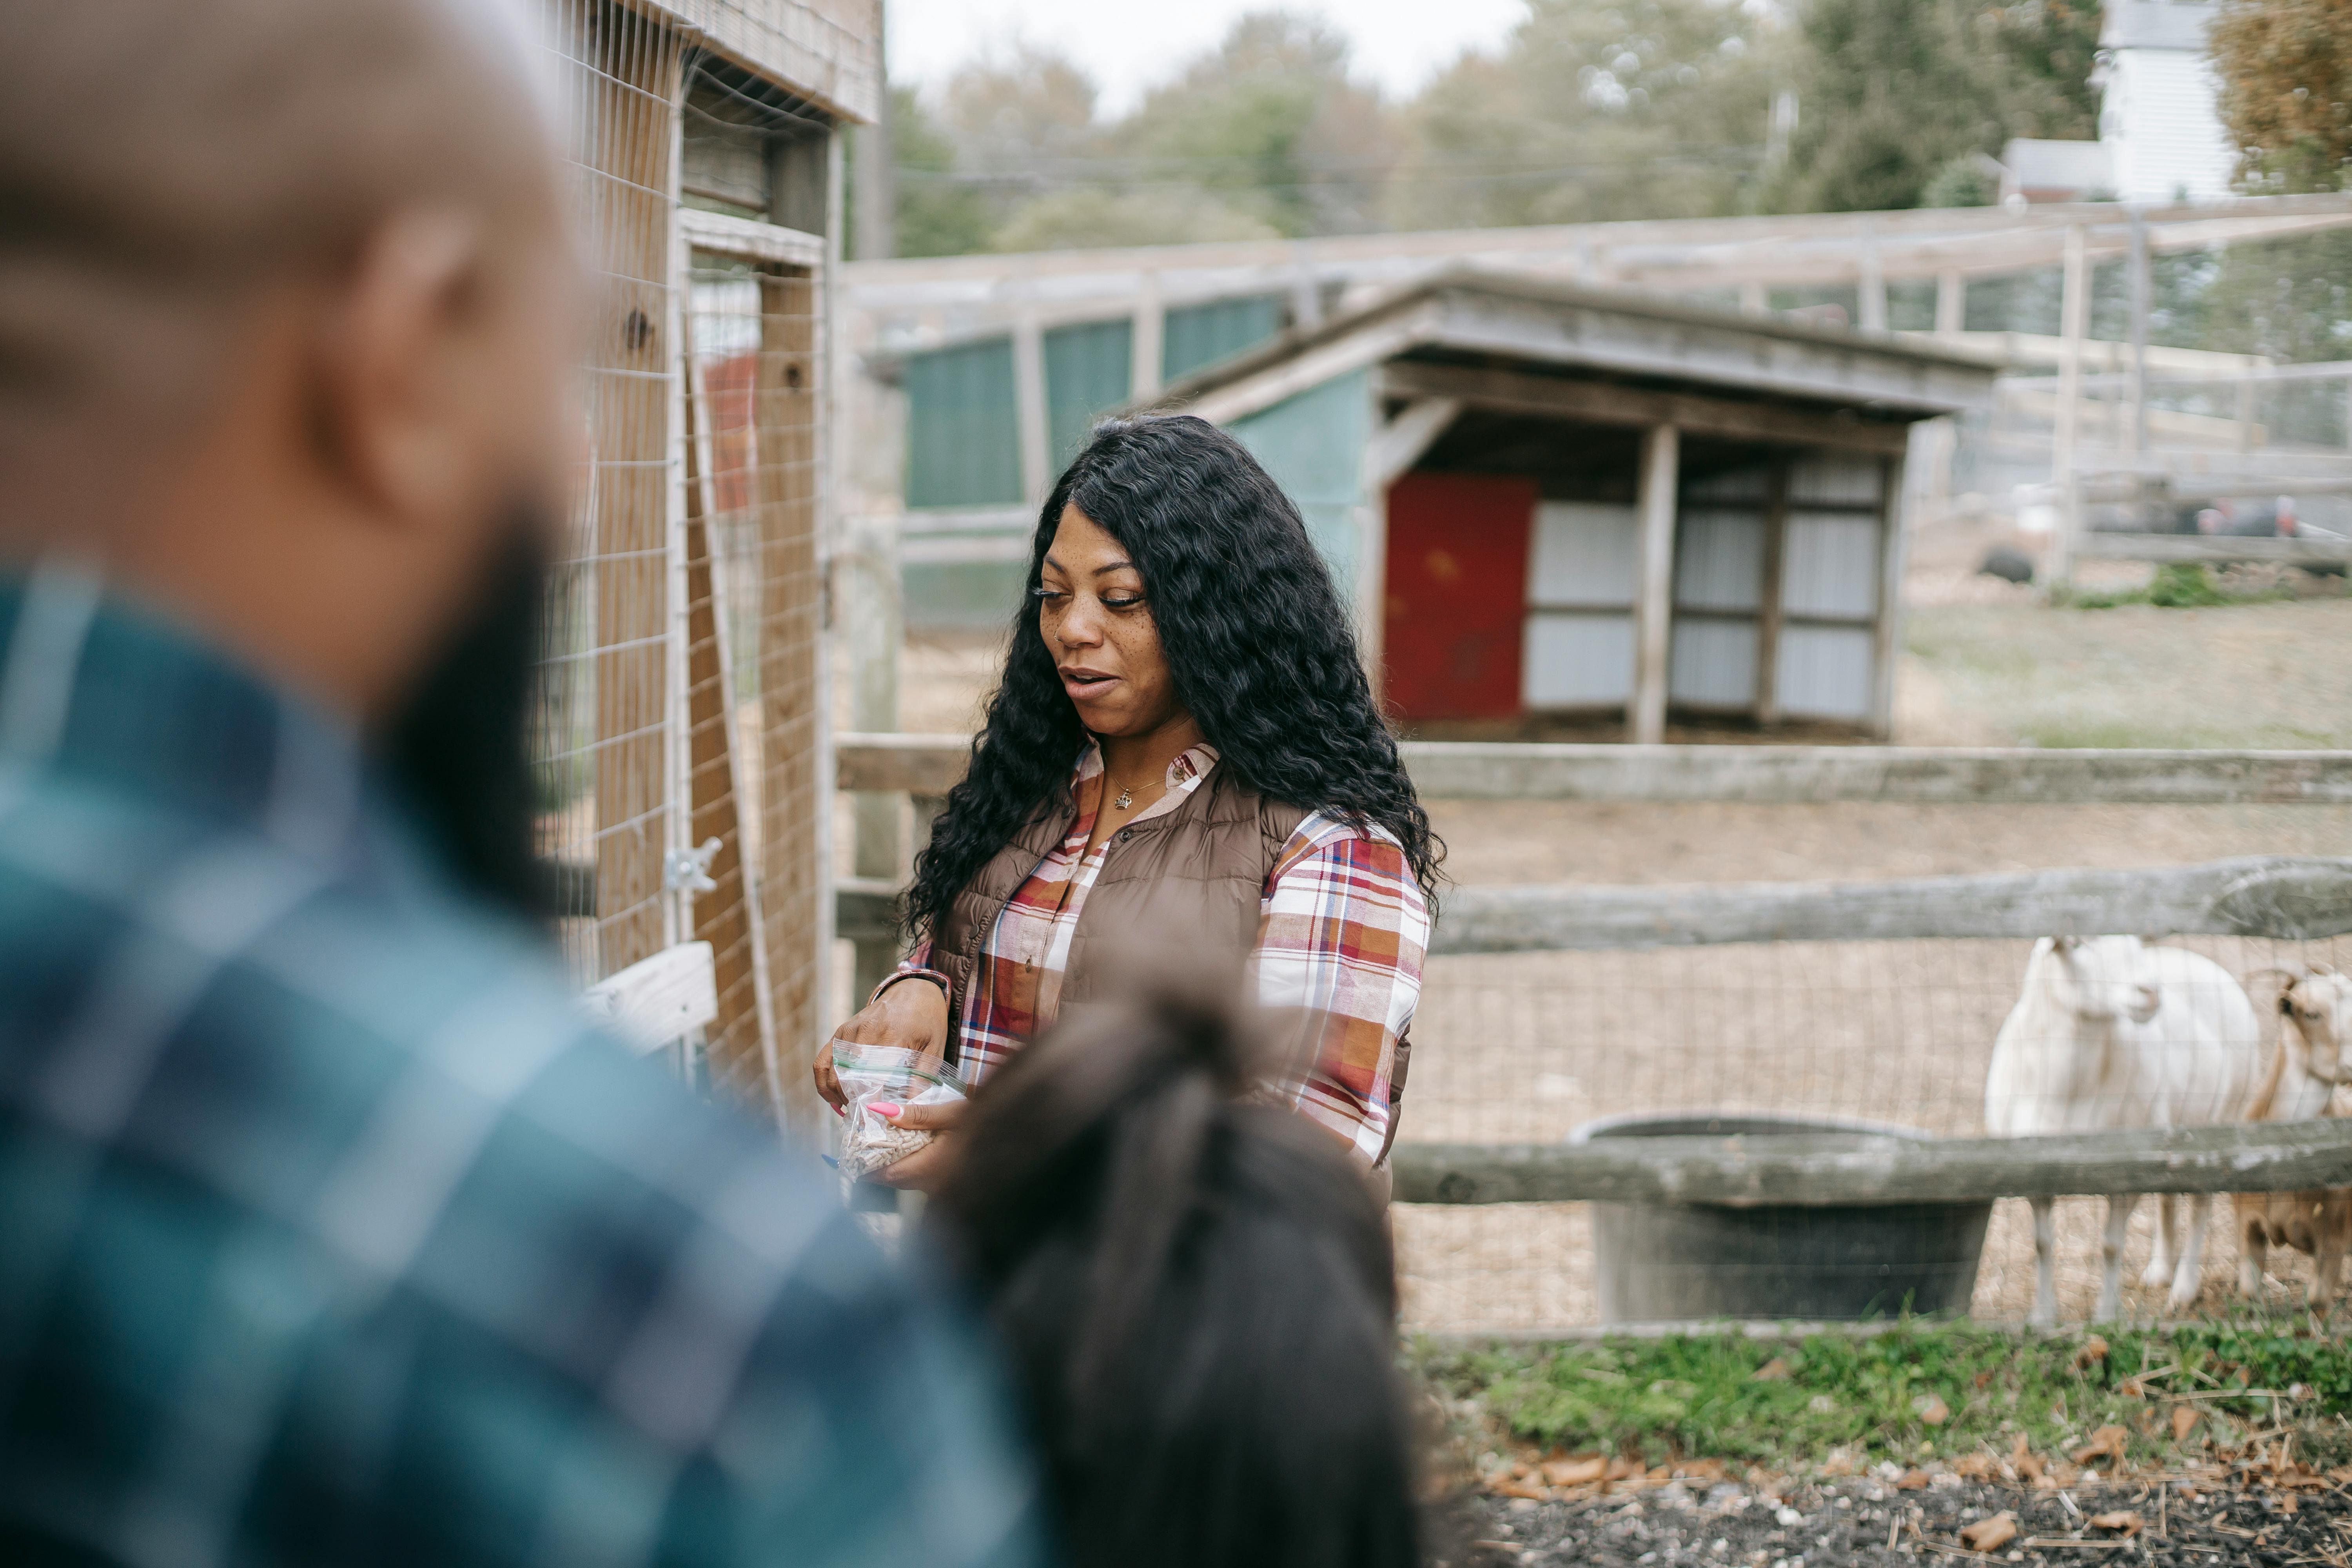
(1655, 583)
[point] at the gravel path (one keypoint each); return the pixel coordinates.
(1869, 1520)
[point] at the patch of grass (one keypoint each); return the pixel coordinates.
(1700, 1396)
(2177, 585)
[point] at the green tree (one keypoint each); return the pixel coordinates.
(938, 212)
(1643, 108)
(1269, 123)
(1892, 91)
(2286, 89)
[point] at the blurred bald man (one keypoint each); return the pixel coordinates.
(326, 1236)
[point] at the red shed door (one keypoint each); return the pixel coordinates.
(1457, 594)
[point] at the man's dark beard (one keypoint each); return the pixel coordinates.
(460, 749)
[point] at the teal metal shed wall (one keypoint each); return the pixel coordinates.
(963, 438)
(1195, 335)
(1313, 445)
(1089, 370)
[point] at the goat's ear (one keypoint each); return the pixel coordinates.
(2286, 1000)
(2063, 945)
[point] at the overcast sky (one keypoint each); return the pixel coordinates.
(1128, 45)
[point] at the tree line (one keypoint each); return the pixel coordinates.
(1595, 110)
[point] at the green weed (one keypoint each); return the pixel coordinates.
(1700, 1396)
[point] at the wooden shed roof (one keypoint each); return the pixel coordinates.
(1490, 325)
(829, 51)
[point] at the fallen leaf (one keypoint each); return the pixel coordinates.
(2094, 1350)
(1912, 1481)
(1581, 1471)
(1621, 1469)
(1990, 1534)
(2132, 1388)
(1931, 1409)
(1700, 1470)
(2023, 1459)
(2122, 1519)
(1975, 1466)
(2340, 1473)
(1773, 1371)
(2106, 1443)
(1519, 1489)
(2184, 1422)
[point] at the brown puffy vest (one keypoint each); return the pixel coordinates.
(1194, 876)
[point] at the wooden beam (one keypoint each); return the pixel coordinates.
(2074, 323)
(1851, 1169)
(1603, 402)
(1653, 583)
(2289, 898)
(2217, 548)
(1288, 377)
(1398, 445)
(1768, 604)
(1920, 775)
(1030, 423)
(1893, 549)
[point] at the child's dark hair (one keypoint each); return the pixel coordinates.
(1198, 1294)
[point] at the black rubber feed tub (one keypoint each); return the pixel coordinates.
(1664, 1262)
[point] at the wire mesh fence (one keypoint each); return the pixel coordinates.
(602, 741)
(757, 339)
(678, 738)
(1530, 1048)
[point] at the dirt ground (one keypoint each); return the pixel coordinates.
(1529, 1047)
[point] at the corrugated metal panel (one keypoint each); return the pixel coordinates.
(1584, 553)
(1720, 560)
(1712, 663)
(1197, 335)
(1088, 373)
(964, 440)
(1824, 672)
(1313, 445)
(1578, 659)
(1830, 565)
(1841, 477)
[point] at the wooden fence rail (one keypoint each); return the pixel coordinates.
(930, 765)
(2291, 899)
(1747, 1172)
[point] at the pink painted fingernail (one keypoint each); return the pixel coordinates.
(884, 1108)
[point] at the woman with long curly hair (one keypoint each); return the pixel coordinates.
(1184, 753)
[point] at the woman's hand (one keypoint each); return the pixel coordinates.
(911, 1015)
(927, 1169)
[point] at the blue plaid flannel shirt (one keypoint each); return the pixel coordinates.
(328, 1235)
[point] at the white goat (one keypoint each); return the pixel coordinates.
(2316, 1025)
(2112, 1033)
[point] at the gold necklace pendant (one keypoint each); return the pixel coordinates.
(1126, 797)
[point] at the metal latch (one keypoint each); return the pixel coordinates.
(689, 870)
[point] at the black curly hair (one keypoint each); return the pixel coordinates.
(1263, 654)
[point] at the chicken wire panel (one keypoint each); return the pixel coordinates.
(756, 337)
(1527, 1049)
(602, 741)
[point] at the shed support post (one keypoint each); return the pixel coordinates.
(1870, 292)
(1893, 549)
(1029, 405)
(1653, 584)
(871, 616)
(1149, 334)
(2142, 286)
(1951, 301)
(1768, 598)
(2074, 314)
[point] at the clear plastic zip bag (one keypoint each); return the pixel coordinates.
(868, 1074)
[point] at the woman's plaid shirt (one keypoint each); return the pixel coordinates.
(1342, 926)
